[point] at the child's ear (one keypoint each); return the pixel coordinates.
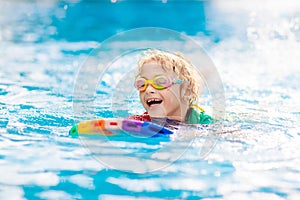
(186, 92)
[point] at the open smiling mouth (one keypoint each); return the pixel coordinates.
(151, 102)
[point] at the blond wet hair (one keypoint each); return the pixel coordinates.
(181, 65)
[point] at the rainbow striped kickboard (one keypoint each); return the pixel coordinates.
(113, 126)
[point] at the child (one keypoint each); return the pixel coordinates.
(168, 89)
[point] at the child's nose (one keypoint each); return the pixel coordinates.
(150, 89)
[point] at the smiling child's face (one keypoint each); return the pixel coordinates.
(165, 103)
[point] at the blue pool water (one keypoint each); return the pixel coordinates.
(256, 50)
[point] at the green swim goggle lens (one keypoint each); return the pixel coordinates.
(158, 82)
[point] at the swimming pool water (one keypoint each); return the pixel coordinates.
(256, 51)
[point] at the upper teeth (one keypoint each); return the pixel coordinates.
(151, 100)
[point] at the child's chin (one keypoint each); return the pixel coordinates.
(157, 113)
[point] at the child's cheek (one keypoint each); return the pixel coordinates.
(142, 99)
(173, 95)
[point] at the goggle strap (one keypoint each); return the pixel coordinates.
(178, 81)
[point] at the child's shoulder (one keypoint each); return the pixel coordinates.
(197, 115)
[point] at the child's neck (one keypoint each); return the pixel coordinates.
(172, 118)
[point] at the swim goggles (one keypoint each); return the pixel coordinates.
(159, 82)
